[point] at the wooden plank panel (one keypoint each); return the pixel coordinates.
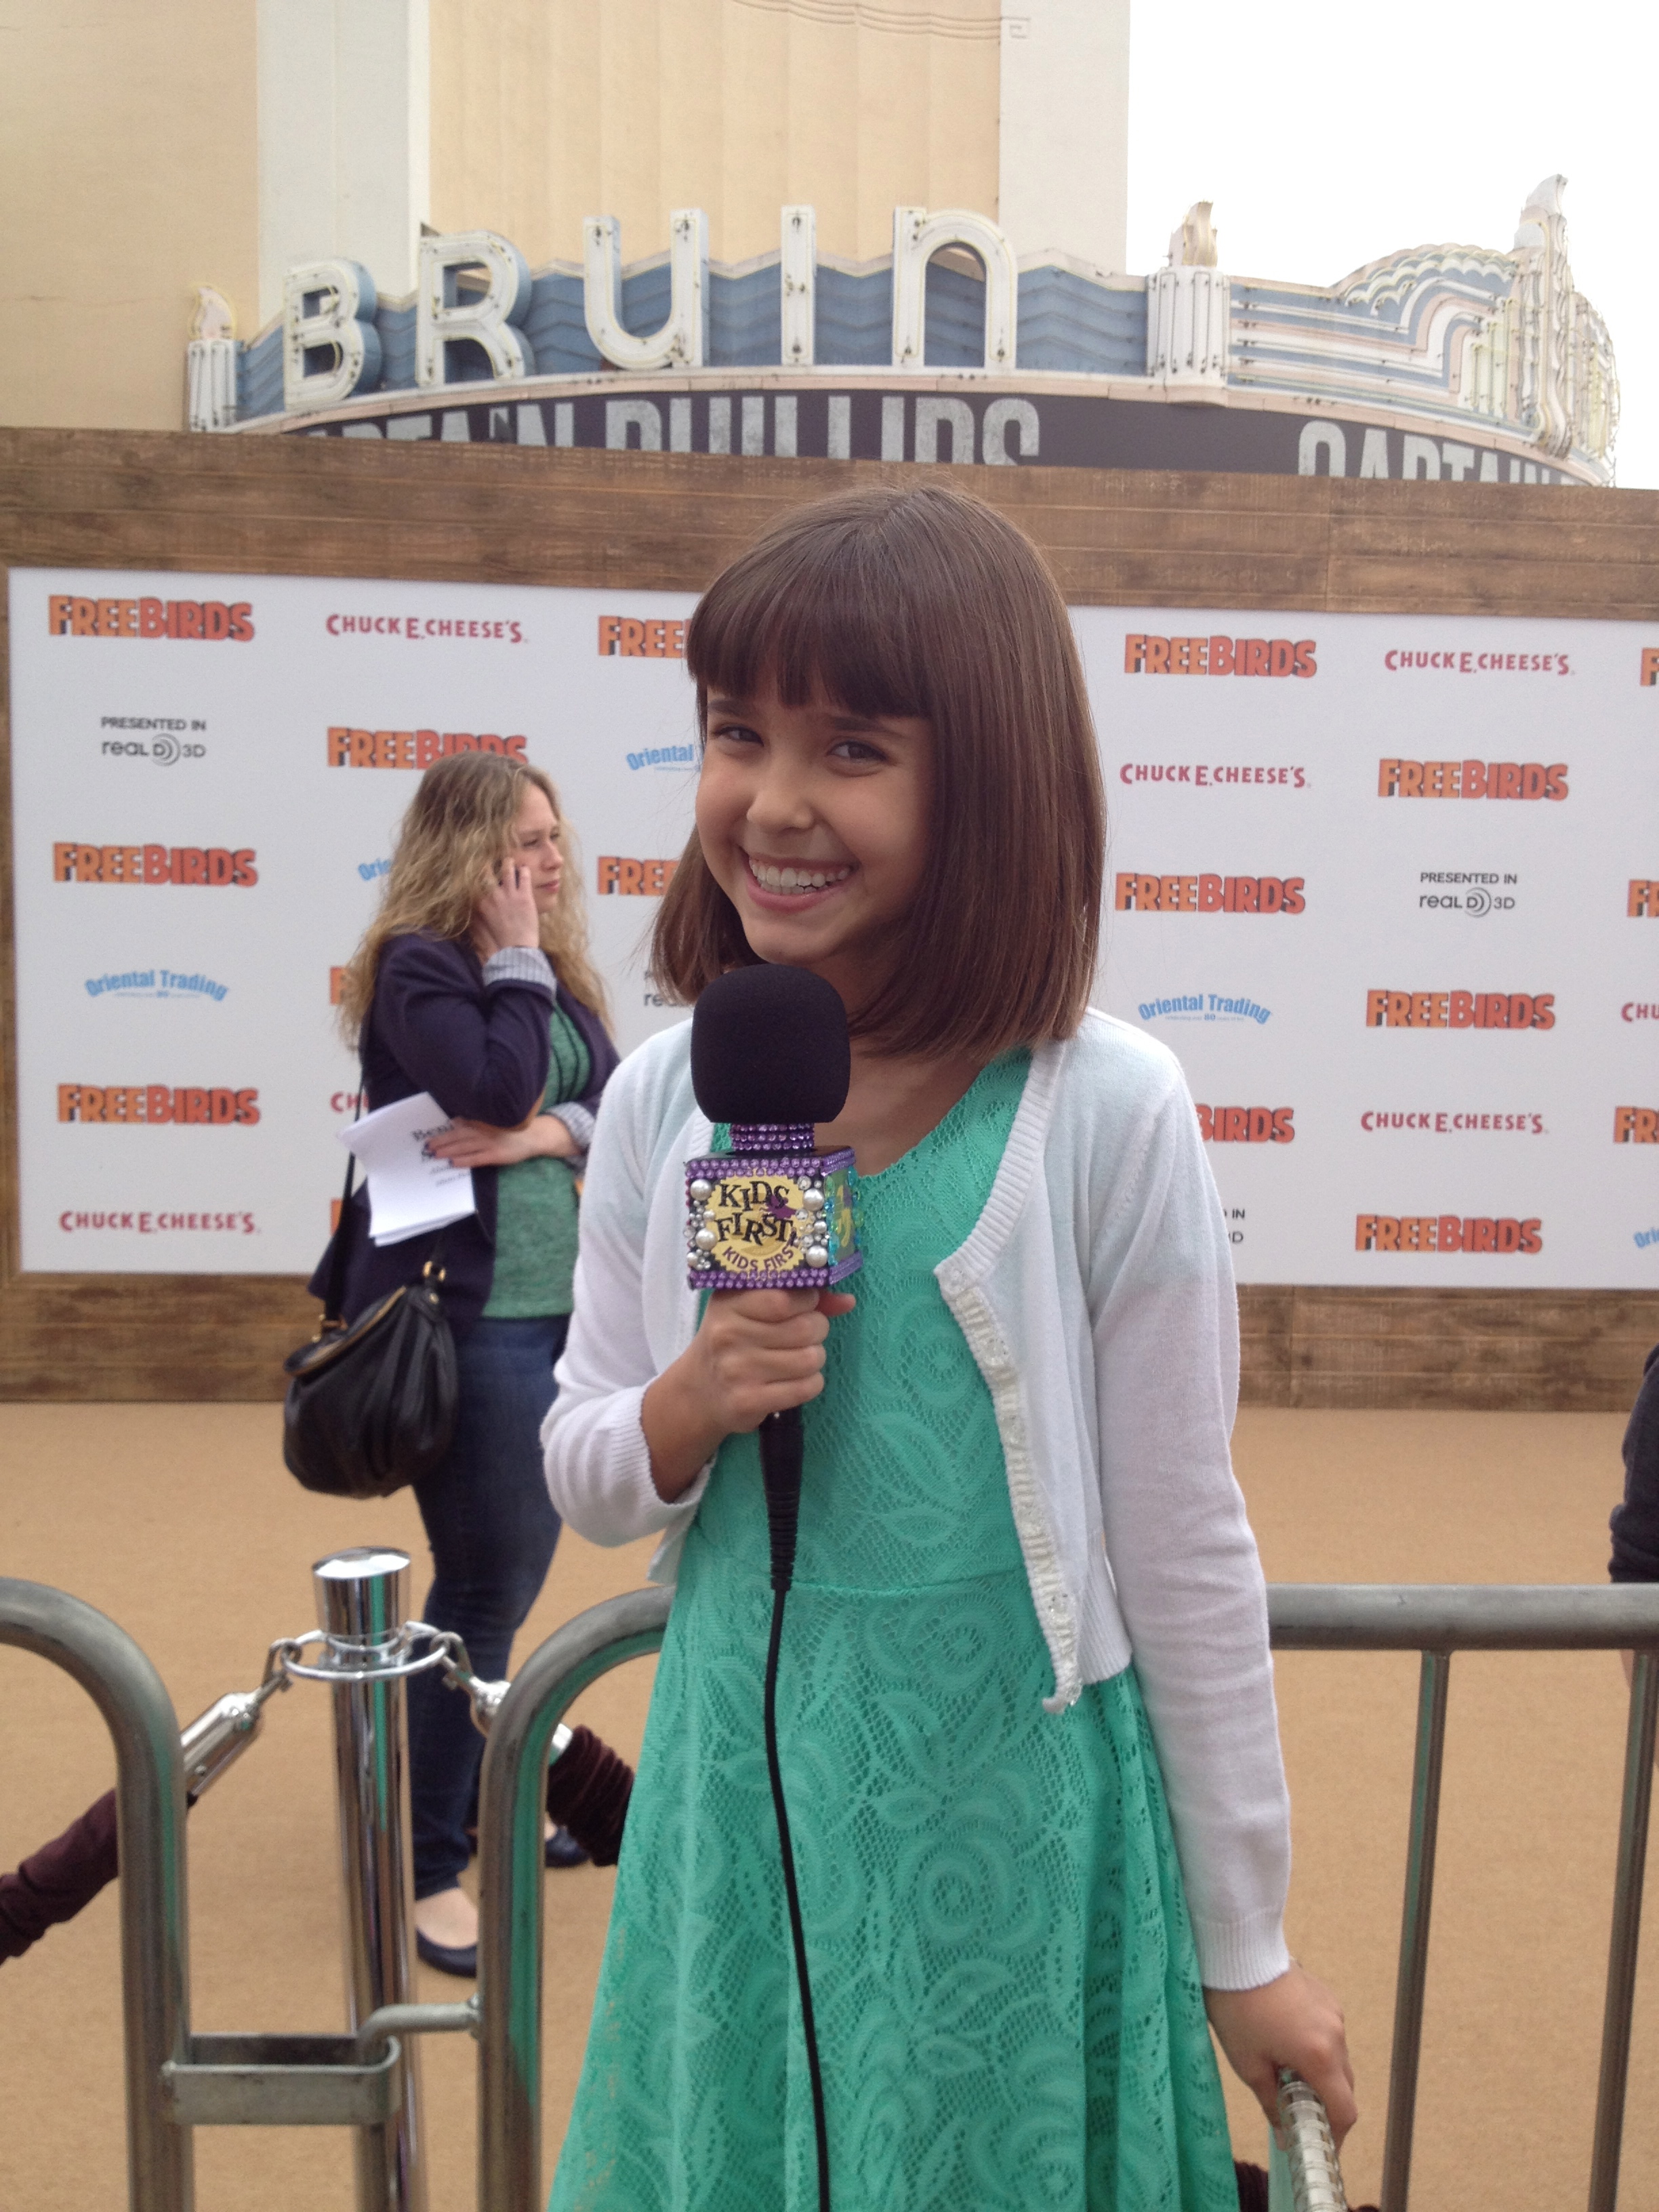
(360, 508)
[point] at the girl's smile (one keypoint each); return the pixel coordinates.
(813, 821)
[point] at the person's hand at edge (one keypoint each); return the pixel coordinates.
(480, 1145)
(1294, 2021)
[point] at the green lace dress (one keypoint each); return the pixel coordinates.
(1008, 1997)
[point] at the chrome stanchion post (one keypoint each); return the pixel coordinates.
(361, 1601)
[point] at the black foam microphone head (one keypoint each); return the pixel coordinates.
(769, 1044)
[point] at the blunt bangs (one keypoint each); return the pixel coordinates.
(925, 602)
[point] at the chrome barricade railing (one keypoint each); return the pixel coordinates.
(1436, 1620)
(177, 2080)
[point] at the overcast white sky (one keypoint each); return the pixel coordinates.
(1327, 135)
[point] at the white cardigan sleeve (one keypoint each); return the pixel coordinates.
(1164, 1321)
(598, 1469)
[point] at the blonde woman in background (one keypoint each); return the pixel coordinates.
(474, 982)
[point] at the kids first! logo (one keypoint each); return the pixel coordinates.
(1217, 656)
(209, 622)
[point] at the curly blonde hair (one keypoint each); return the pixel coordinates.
(451, 843)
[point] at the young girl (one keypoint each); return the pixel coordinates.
(1026, 1709)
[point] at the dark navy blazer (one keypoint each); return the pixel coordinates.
(1635, 1523)
(482, 1050)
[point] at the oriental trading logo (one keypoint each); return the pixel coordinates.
(1204, 1007)
(1246, 1125)
(154, 983)
(1209, 894)
(1471, 778)
(674, 757)
(1446, 1232)
(1460, 1010)
(1217, 656)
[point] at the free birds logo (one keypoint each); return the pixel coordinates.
(1217, 656)
(622, 637)
(217, 866)
(1460, 1010)
(1138, 893)
(633, 879)
(1636, 1125)
(417, 749)
(1246, 1125)
(1641, 899)
(208, 621)
(1446, 1232)
(156, 1104)
(1471, 778)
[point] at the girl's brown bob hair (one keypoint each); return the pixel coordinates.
(925, 603)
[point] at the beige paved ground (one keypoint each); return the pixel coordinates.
(181, 1522)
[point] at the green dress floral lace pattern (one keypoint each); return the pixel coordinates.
(1008, 2004)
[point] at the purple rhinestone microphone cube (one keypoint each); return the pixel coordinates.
(773, 1214)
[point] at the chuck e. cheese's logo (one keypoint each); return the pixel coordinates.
(350, 748)
(1217, 656)
(1138, 893)
(211, 622)
(218, 866)
(1471, 778)
(1246, 1125)
(1446, 1232)
(1460, 1010)
(153, 1103)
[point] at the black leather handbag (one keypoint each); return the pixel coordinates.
(371, 1403)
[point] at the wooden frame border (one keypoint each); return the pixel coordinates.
(299, 506)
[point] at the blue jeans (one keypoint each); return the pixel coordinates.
(492, 1529)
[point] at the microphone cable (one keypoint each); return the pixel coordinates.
(782, 1450)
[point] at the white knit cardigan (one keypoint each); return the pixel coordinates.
(1095, 1295)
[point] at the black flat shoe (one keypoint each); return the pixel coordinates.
(458, 1959)
(561, 1849)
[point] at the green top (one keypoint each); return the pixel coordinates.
(536, 1202)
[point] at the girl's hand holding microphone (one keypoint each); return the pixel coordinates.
(758, 1353)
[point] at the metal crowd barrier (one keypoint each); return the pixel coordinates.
(367, 2079)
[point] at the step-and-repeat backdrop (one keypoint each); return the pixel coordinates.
(1389, 886)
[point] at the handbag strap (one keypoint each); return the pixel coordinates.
(334, 1290)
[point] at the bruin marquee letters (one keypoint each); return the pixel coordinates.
(634, 878)
(349, 748)
(153, 1103)
(1460, 1010)
(1445, 1232)
(621, 636)
(1636, 1125)
(1209, 894)
(210, 620)
(1246, 1125)
(215, 865)
(1470, 779)
(1217, 656)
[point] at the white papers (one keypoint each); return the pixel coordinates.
(409, 1191)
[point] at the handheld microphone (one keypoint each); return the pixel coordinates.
(770, 1055)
